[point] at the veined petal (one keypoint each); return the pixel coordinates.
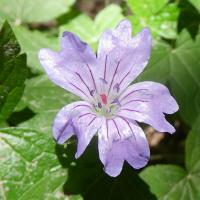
(87, 128)
(76, 49)
(64, 121)
(124, 30)
(146, 102)
(123, 58)
(109, 38)
(79, 120)
(72, 68)
(153, 92)
(119, 140)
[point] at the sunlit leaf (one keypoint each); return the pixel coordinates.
(32, 11)
(89, 30)
(29, 167)
(196, 4)
(159, 15)
(31, 42)
(40, 122)
(169, 182)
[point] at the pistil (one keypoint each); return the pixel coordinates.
(103, 98)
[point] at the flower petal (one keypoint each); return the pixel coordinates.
(123, 58)
(64, 121)
(76, 119)
(122, 33)
(72, 68)
(119, 140)
(146, 102)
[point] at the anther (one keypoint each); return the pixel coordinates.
(116, 87)
(99, 105)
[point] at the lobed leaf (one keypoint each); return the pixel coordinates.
(32, 11)
(31, 42)
(29, 167)
(196, 4)
(90, 30)
(13, 71)
(159, 15)
(170, 182)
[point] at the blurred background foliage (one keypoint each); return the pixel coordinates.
(33, 167)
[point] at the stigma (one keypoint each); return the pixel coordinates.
(103, 98)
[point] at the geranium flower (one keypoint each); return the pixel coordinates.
(110, 107)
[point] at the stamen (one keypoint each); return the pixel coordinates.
(116, 87)
(99, 105)
(116, 101)
(92, 92)
(103, 81)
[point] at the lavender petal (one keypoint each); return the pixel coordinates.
(71, 68)
(72, 120)
(122, 141)
(146, 102)
(118, 46)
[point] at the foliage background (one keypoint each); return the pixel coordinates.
(32, 166)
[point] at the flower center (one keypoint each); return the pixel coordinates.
(105, 107)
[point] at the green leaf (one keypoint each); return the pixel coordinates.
(170, 182)
(193, 149)
(45, 99)
(180, 68)
(42, 95)
(159, 15)
(166, 181)
(41, 122)
(33, 11)
(196, 4)
(189, 18)
(31, 42)
(29, 167)
(13, 71)
(90, 30)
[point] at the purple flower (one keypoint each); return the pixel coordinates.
(110, 107)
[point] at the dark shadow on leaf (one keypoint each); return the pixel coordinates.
(20, 116)
(70, 15)
(189, 18)
(86, 177)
